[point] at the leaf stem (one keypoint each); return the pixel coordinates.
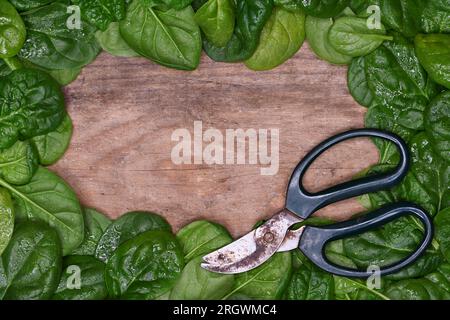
(13, 63)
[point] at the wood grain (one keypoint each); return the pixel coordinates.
(125, 110)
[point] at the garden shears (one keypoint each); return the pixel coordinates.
(276, 235)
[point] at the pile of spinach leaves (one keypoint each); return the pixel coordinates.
(398, 68)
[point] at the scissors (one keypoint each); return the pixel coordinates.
(256, 247)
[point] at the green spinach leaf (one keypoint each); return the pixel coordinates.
(31, 264)
(433, 51)
(144, 267)
(65, 76)
(52, 146)
(251, 16)
(317, 30)
(52, 45)
(101, 12)
(48, 198)
(268, 281)
(112, 42)
(351, 36)
(417, 289)
(216, 19)
(291, 5)
(81, 279)
(6, 219)
(25, 5)
(355, 289)
(31, 104)
(437, 124)
(95, 224)
(442, 226)
(202, 237)
(19, 163)
(126, 227)
(324, 8)
(281, 38)
(357, 82)
(310, 283)
(197, 283)
(168, 37)
(12, 30)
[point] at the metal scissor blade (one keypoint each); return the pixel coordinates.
(254, 248)
(291, 241)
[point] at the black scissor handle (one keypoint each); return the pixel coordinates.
(303, 203)
(313, 239)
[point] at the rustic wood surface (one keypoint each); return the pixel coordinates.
(125, 110)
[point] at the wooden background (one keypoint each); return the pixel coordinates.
(125, 110)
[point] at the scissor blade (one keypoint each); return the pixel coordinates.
(291, 241)
(253, 249)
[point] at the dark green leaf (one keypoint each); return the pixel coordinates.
(12, 30)
(48, 198)
(101, 12)
(52, 146)
(324, 8)
(268, 281)
(355, 289)
(126, 227)
(52, 45)
(202, 237)
(81, 279)
(357, 82)
(433, 51)
(281, 38)
(31, 264)
(19, 162)
(65, 76)
(437, 120)
(31, 104)
(197, 283)
(251, 16)
(442, 225)
(95, 224)
(6, 219)
(168, 37)
(25, 5)
(144, 267)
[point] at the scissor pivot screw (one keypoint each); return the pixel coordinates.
(268, 237)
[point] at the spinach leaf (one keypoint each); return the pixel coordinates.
(202, 237)
(4, 69)
(91, 285)
(324, 8)
(6, 219)
(442, 226)
(435, 17)
(441, 277)
(433, 51)
(355, 289)
(52, 146)
(168, 37)
(144, 267)
(417, 289)
(95, 224)
(171, 4)
(112, 42)
(317, 35)
(310, 283)
(402, 15)
(19, 163)
(432, 172)
(281, 38)
(49, 199)
(101, 12)
(437, 124)
(65, 76)
(216, 19)
(126, 227)
(360, 6)
(12, 30)
(31, 104)
(357, 82)
(291, 5)
(31, 264)
(52, 45)
(351, 36)
(197, 283)
(268, 281)
(25, 5)
(251, 16)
